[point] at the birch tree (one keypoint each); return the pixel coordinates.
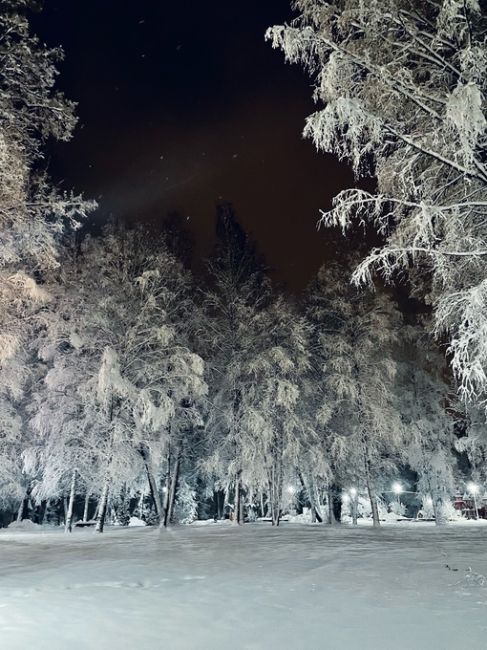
(357, 348)
(272, 421)
(430, 439)
(33, 213)
(474, 442)
(402, 92)
(134, 317)
(231, 338)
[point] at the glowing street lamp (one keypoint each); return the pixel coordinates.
(397, 489)
(291, 490)
(474, 490)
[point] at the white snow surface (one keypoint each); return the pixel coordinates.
(404, 587)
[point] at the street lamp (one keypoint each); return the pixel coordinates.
(397, 489)
(474, 490)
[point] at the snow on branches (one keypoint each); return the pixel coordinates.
(403, 86)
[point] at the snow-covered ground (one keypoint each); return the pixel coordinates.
(405, 587)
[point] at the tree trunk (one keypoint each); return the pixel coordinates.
(276, 491)
(140, 506)
(310, 492)
(171, 493)
(354, 509)
(45, 507)
(373, 504)
(102, 507)
(86, 508)
(336, 502)
(20, 512)
(331, 512)
(123, 510)
(68, 527)
(368, 479)
(65, 509)
(217, 504)
(238, 505)
(439, 511)
(154, 490)
(221, 504)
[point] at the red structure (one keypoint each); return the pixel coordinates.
(466, 506)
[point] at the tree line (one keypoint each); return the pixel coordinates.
(172, 396)
(127, 382)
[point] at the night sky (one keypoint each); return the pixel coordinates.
(182, 105)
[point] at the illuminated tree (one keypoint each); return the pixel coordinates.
(231, 333)
(429, 439)
(403, 85)
(33, 213)
(355, 355)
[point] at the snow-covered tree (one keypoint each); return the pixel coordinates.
(357, 344)
(33, 213)
(429, 438)
(402, 86)
(273, 428)
(118, 341)
(474, 441)
(231, 338)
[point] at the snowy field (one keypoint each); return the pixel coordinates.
(405, 587)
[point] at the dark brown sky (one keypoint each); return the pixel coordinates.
(184, 104)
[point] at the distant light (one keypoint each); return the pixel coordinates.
(472, 488)
(397, 488)
(428, 502)
(353, 492)
(291, 489)
(345, 498)
(164, 489)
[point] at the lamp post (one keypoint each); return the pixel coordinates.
(474, 490)
(398, 490)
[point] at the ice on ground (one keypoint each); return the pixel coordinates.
(218, 587)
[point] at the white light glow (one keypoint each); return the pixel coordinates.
(291, 489)
(353, 492)
(428, 502)
(397, 488)
(472, 488)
